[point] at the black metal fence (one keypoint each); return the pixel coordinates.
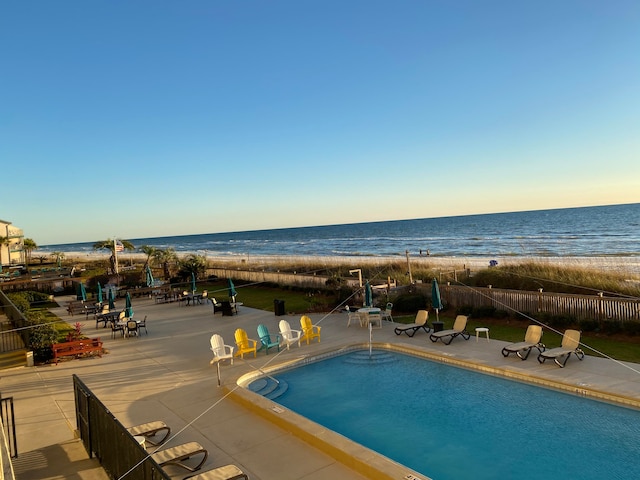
(9, 424)
(18, 335)
(109, 441)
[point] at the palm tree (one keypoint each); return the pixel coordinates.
(109, 244)
(149, 251)
(192, 264)
(29, 246)
(59, 256)
(165, 257)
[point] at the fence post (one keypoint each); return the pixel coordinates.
(600, 309)
(539, 300)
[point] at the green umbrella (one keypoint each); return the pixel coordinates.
(99, 293)
(82, 293)
(435, 297)
(368, 295)
(112, 303)
(232, 289)
(128, 310)
(193, 282)
(150, 280)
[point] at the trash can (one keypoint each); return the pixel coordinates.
(278, 307)
(438, 326)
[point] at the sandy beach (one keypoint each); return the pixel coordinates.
(628, 265)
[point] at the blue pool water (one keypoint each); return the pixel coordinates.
(450, 423)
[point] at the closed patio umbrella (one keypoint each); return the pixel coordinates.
(193, 282)
(435, 297)
(150, 280)
(368, 295)
(82, 293)
(128, 310)
(112, 303)
(99, 296)
(232, 289)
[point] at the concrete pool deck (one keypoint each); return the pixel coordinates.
(166, 375)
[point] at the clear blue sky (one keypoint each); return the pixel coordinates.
(152, 118)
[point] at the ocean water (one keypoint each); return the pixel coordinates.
(580, 232)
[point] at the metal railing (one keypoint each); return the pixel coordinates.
(9, 423)
(109, 441)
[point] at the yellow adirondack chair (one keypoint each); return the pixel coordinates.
(309, 330)
(245, 344)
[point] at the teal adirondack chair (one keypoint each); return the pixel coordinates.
(265, 339)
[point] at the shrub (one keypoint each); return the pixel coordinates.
(589, 325)
(410, 303)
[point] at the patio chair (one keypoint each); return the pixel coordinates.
(220, 350)
(245, 344)
(154, 432)
(217, 306)
(227, 472)
(265, 339)
(354, 316)
(143, 324)
(178, 454)
(117, 326)
(132, 328)
(386, 313)
(309, 330)
(420, 323)
(100, 316)
(288, 335)
(447, 336)
(531, 339)
(560, 355)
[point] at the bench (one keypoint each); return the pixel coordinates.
(77, 348)
(76, 307)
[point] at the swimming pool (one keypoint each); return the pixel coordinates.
(452, 423)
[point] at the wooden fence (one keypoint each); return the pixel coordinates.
(581, 307)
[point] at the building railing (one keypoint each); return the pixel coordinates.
(18, 336)
(105, 438)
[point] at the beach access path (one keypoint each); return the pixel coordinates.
(166, 375)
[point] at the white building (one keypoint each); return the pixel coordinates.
(11, 245)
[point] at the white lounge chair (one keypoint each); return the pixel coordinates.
(228, 472)
(531, 340)
(178, 454)
(386, 313)
(220, 350)
(154, 432)
(288, 335)
(560, 355)
(459, 328)
(411, 328)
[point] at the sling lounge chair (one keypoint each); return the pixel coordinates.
(309, 330)
(220, 350)
(447, 336)
(531, 339)
(419, 323)
(228, 472)
(154, 432)
(178, 454)
(245, 344)
(288, 335)
(266, 340)
(560, 355)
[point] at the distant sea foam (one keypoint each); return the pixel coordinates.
(570, 232)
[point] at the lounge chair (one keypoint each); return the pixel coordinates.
(309, 330)
(228, 472)
(288, 335)
(178, 454)
(150, 431)
(531, 339)
(459, 328)
(560, 355)
(420, 323)
(245, 344)
(266, 340)
(220, 350)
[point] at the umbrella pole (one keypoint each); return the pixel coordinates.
(218, 368)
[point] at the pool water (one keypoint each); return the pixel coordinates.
(450, 423)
